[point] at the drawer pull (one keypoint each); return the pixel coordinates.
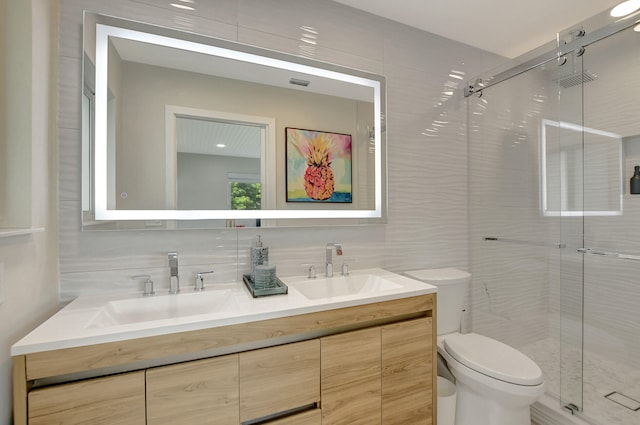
(280, 415)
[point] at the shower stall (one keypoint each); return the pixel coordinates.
(555, 233)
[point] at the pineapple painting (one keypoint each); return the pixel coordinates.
(318, 178)
(318, 166)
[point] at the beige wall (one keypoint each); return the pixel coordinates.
(15, 164)
(4, 36)
(28, 263)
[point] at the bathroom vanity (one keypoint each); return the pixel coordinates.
(342, 350)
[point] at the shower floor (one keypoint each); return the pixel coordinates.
(601, 377)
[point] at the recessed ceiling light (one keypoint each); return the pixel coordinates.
(625, 8)
(182, 6)
(221, 145)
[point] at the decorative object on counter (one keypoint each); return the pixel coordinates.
(318, 166)
(277, 289)
(262, 279)
(634, 183)
(259, 256)
(265, 276)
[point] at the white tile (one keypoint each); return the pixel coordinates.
(333, 25)
(69, 93)
(321, 52)
(69, 163)
(220, 10)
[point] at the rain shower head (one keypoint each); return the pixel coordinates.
(576, 78)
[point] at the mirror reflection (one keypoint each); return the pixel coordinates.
(217, 165)
(184, 127)
(574, 158)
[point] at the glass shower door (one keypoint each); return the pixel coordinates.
(568, 174)
(515, 217)
(609, 257)
(554, 229)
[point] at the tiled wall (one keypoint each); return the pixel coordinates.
(427, 174)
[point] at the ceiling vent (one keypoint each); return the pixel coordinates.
(298, 82)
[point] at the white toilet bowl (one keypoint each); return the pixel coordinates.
(495, 383)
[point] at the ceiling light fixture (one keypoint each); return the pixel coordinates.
(625, 8)
(182, 6)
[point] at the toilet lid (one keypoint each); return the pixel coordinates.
(441, 276)
(493, 358)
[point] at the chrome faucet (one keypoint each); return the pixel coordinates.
(148, 284)
(329, 263)
(174, 279)
(199, 286)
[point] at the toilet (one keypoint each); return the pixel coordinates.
(495, 383)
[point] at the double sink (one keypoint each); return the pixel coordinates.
(221, 300)
(96, 319)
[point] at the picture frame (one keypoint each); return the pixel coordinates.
(319, 166)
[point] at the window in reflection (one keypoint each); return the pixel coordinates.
(210, 150)
(245, 192)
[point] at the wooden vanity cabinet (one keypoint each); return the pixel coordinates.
(381, 375)
(111, 400)
(368, 364)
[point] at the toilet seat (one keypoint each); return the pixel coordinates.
(493, 358)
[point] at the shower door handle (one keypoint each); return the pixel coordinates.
(602, 253)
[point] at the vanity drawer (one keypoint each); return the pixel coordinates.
(194, 392)
(279, 379)
(112, 400)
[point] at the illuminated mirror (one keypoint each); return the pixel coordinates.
(182, 130)
(575, 158)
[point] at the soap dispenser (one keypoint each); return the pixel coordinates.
(634, 183)
(259, 256)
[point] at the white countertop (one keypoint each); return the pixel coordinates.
(82, 321)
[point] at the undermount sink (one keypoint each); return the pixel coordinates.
(160, 307)
(340, 286)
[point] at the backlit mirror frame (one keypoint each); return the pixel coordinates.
(559, 176)
(106, 26)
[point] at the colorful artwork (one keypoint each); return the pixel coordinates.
(318, 166)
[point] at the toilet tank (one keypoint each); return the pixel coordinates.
(452, 286)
